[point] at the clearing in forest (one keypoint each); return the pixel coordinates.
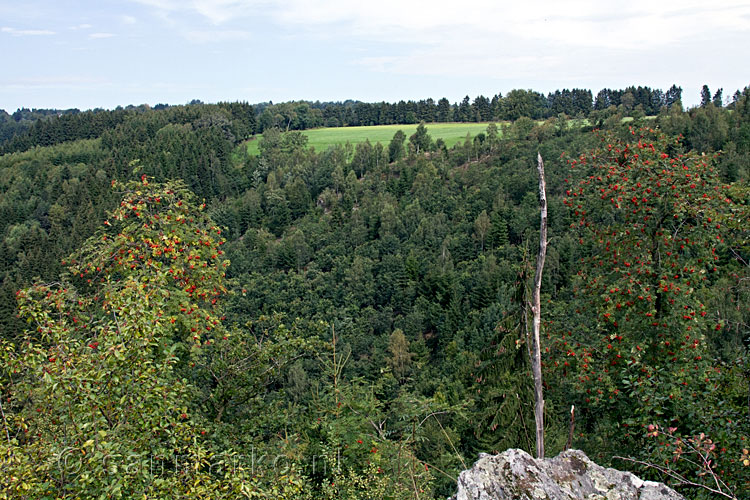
(323, 138)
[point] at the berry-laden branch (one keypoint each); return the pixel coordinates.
(697, 450)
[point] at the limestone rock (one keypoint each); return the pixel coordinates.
(516, 475)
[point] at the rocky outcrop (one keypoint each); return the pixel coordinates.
(516, 475)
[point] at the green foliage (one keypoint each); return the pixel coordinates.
(661, 229)
(98, 389)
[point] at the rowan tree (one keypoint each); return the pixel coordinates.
(93, 397)
(655, 225)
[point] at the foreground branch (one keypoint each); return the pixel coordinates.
(682, 480)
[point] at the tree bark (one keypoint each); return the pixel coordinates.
(536, 366)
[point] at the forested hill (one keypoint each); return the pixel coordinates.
(357, 314)
(25, 128)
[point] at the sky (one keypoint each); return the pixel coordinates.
(104, 53)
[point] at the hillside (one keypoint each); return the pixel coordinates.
(266, 319)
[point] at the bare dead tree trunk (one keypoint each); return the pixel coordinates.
(536, 366)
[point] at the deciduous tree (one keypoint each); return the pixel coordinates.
(655, 222)
(95, 403)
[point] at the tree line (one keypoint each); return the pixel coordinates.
(28, 128)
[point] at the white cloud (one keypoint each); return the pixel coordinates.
(217, 35)
(128, 19)
(593, 23)
(588, 23)
(489, 38)
(15, 32)
(101, 35)
(160, 4)
(511, 40)
(81, 27)
(221, 11)
(215, 11)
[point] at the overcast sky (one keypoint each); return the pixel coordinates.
(105, 53)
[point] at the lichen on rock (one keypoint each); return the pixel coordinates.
(516, 475)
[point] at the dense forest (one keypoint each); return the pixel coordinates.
(181, 319)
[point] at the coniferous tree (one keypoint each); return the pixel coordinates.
(717, 99)
(396, 146)
(443, 110)
(673, 95)
(420, 139)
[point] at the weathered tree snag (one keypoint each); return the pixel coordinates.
(536, 365)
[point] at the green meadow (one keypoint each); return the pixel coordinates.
(323, 138)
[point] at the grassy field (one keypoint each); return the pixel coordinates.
(322, 138)
(452, 133)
